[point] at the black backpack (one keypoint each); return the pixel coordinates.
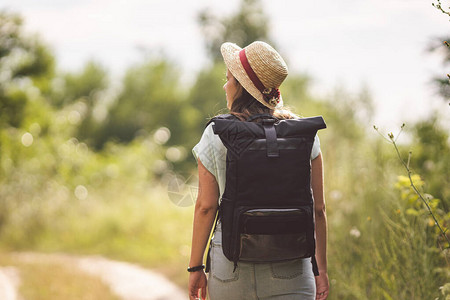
(266, 209)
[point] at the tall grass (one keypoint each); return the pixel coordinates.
(382, 244)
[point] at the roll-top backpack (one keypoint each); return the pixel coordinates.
(266, 210)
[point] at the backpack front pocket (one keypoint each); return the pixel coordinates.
(274, 234)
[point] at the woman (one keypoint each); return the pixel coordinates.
(254, 75)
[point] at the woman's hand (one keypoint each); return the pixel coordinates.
(197, 285)
(322, 286)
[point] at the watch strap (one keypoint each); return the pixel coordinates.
(195, 269)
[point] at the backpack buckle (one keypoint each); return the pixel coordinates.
(269, 121)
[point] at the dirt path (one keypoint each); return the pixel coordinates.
(128, 281)
(9, 281)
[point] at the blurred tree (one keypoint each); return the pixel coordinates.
(26, 70)
(206, 99)
(71, 87)
(150, 99)
(249, 24)
(82, 90)
(442, 82)
(23, 59)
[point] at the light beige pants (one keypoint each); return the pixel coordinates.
(291, 280)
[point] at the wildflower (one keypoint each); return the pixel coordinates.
(354, 232)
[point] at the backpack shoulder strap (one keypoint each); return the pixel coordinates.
(271, 137)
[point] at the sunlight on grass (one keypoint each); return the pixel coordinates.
(136, 225)
(54, 281)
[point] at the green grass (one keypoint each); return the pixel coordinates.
(121, 223)
(44, 280)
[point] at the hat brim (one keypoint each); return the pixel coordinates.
(230, 54)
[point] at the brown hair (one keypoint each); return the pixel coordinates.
(245, 105)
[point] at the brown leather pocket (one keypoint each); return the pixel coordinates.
(270, 235)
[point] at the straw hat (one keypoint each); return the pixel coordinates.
(259, 69)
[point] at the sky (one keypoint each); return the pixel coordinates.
(351, 44)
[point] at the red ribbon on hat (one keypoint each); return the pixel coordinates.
(268, 93)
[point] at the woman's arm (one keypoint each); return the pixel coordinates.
(204, 215)
(322, 284)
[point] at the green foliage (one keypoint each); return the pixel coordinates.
(21, 55)
(71, 87)
(383, 254)
(51, 183)
(378, 245)
(418, 212)
(247, 25)
(206, 99)
(296, 94)
(84, 92)
(431, 159)
(150, 98)
(22, 59)
(442, 82)
(12, 105)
